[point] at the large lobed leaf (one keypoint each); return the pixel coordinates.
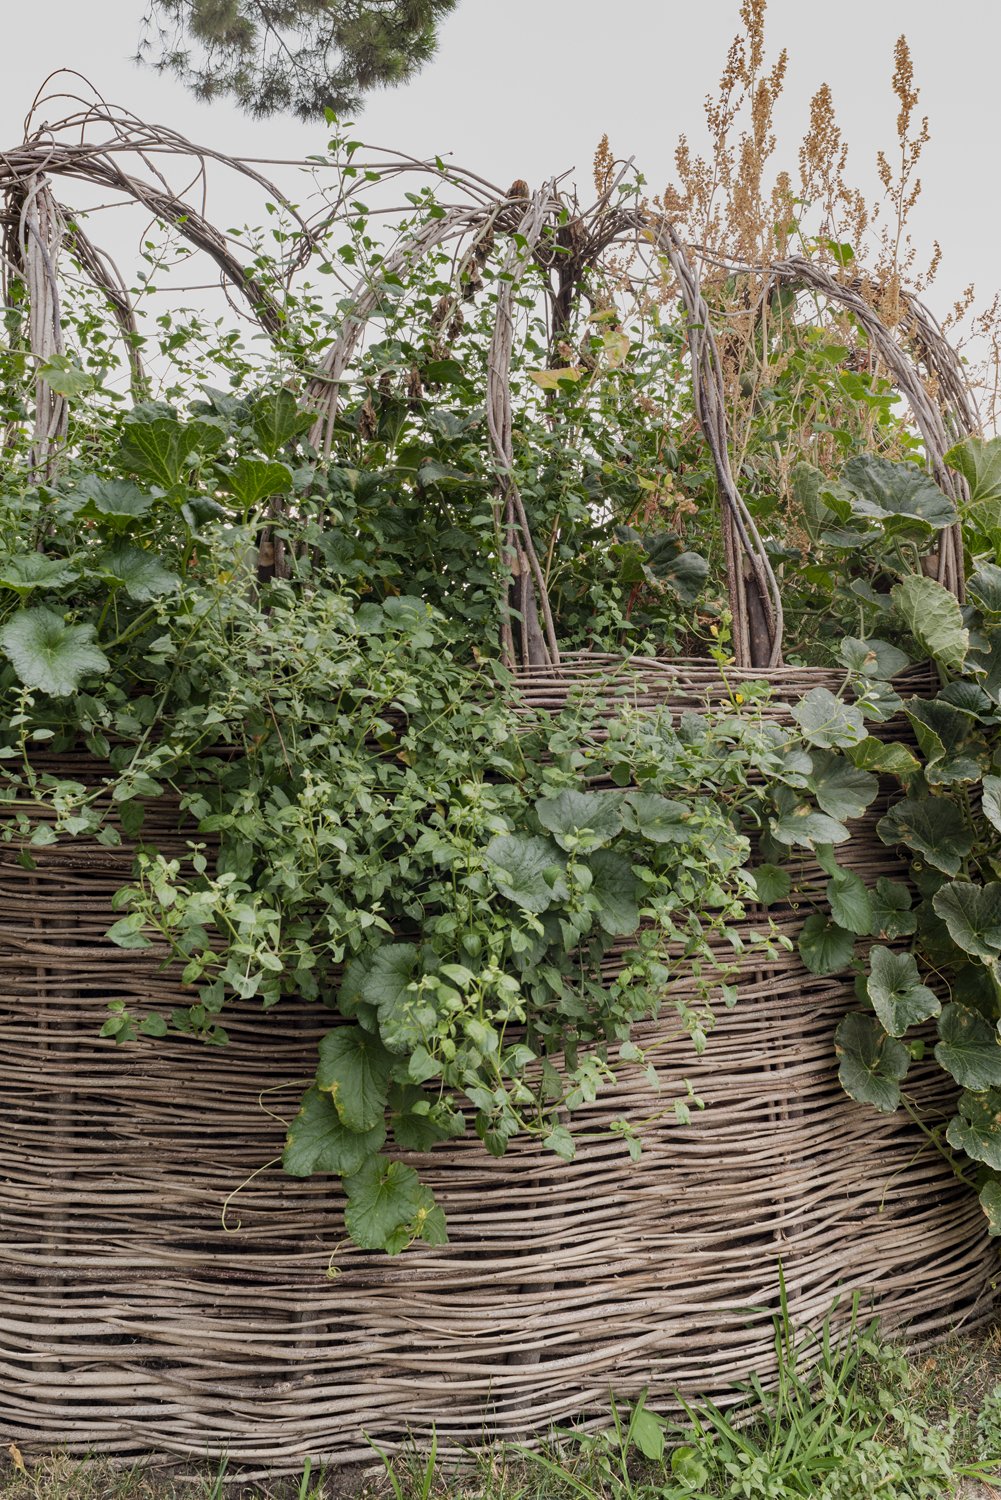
(49, 654)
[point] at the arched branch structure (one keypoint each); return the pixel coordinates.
(101, 146)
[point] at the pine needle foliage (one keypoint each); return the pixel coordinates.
(302, 57)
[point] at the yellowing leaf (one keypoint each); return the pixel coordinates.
(550, 380)
(616, 346)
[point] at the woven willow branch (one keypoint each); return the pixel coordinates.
(921, 362)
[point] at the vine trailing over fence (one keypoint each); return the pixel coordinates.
(296, 604)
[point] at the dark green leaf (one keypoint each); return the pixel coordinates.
(850, 903)
(826, 721)
(657, 818)
(898, 997)
(617, 890)
(991, 803)
(581, 820)
(934, 618)
(969, 1049)
(318, 1141)
(842, 790)
(140, 573)
(383, 1201)
(983, 588)
(278, 419)
(161, 450)
(872, 1063)
(354, 1070)
(876, 755)
(251, 480)
(116, 503)
(771, 884)
(979, 463)
(977, 1127)
(528, 870)
(892, 916)
(972, 914)
(896, 492)
(47, 653)
(990, 1202)
(33, 570)
(824, 947)
(932, 826)
(872, 658)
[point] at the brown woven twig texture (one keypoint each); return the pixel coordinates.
(134, 1319)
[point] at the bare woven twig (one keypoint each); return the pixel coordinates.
(136, 1319)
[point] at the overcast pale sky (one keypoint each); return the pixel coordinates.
(524, 88)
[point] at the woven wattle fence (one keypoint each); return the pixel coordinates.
(141, 1311)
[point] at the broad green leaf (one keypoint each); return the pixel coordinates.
(980, 465)
(560, 1141)
(528, 870)
(896, 493)
(160, 450)
(898, 997)
(128, 932)
(969, 1049)
(581, 820)
(931, 826)
(873, 658)
(617, 890)
(140, 573)
(28, 571)
(976, 1129)
(771, 883)
(970, 698)
(115, 503)
(807, 485)
(985, 661)
(842, 790)
(876, 755)
(354, 1070)
(685, 573)
(318, 1141)
(872, 1063)
(934, 619)
(48, 654)
(798, 822)
(647, 1432)
(892, 916)
(379, 978)
(824, 947)
(990, 1202)
(384, 1198)
(65, 376)
(850, 903)
(950, 740)
(876, 700)
(657, 818)
(826, 721)
(278, 419)
(983, 588)
(972, 914)
(991, 802)
(251, 480)
(688, 1468)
